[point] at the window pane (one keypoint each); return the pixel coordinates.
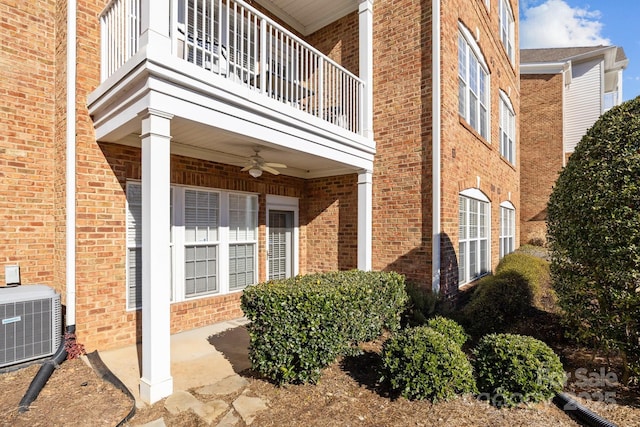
(200, 270)
(241, 265)
(201, 215)
(462, 262)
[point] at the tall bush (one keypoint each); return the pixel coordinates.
(594, 234)
(300, 325)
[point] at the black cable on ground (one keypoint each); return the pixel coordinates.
(579, 412)
(105, 373)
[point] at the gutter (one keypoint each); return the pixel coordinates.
(435, 150)
(70, 225)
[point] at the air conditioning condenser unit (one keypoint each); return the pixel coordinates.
(30, 323)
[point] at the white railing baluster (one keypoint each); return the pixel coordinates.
(232, 39)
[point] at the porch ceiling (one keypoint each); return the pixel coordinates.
(198, 140)
(308, 16)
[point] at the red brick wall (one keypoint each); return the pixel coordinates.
(27, 128)
(467, 157)
(402, 129)
(542, 151)
(330, 212)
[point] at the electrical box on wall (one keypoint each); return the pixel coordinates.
(12, 275)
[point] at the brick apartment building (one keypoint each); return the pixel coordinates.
(150, 203)
(564, 91)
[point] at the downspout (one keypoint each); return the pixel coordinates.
(60, 355)
(435, 150)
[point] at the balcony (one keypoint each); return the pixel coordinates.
(231, 77)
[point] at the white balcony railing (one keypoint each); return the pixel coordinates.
(233, 40)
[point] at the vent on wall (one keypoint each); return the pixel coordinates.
(30, 323)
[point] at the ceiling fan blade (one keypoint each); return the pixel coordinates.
(276, 165)
(270, 170)
(246, 168)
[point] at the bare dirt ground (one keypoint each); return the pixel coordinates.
(348, 394)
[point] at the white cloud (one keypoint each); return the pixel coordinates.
(556, 24)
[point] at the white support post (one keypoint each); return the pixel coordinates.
(156, 381)
(365, 219)
(366, 64)
(154, 26)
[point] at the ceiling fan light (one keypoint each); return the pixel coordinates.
(255, 172)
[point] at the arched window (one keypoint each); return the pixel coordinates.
(473, 83)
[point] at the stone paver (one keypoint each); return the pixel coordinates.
(181, 401)
(248, 407)
(231, 384)
(157, 423)
(209, 411)
(229, 420)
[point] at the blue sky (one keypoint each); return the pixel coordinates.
(564, 23)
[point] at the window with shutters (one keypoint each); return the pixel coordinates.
(473, 236)
(213, 242)
(201, 241)
(243, 240)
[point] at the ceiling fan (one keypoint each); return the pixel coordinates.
(256, 165)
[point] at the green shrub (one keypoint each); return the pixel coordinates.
(594, 234)
(497, 301)
(300, 325)
(534, 269)
(449, 328)
(422, 304)
(421, 363)
(512, 369)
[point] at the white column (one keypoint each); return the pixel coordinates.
(365, 219)
(366, 64)
(156, 381)
(154, 26)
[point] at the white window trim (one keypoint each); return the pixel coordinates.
(507, 206)
(284, 203)
(478, 195)
(474, 48)
(505, 102)
(177, 244)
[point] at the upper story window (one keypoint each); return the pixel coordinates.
(473, 84)
(507, 129)
(507, 28)
(473, 235)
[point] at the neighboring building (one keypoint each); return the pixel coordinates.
(564, 91)
(396, 120)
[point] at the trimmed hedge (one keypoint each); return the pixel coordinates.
(422, 363)
(513, 369)
(534, 269)
(511, 293)
(301, 325)
(449, 328)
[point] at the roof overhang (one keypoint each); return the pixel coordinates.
(308, 16)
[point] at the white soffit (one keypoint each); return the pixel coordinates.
(308, 16)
